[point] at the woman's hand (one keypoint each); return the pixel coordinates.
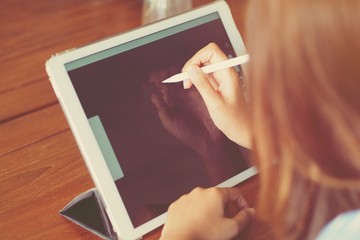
(214, 213)
(222, 94)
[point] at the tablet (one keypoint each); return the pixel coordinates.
(146, 143)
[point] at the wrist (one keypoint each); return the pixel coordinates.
(240, 134)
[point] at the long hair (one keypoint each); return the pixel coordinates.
(304, 79)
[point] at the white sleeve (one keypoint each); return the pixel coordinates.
(346, 226)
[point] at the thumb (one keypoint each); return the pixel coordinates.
(203, 85)
(244, 217)
(232, 227)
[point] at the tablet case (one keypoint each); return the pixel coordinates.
(87, 211)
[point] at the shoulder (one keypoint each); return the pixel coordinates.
(346, 226)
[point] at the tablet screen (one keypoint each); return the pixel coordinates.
(157, 139)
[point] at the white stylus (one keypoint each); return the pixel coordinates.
(211, 68)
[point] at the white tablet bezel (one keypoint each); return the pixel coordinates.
(82, 131)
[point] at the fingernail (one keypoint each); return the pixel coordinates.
(186, 84)
(251, 211)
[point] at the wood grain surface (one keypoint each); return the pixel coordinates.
(41, 168)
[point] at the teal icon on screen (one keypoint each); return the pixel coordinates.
(106, 148)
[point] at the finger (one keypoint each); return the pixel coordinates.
(207, 55)
(187, 84)
(231, 194)
(214, 83)
(203, 85)
(232, 227)
(234, 195)
(210, 53)
(243, 217)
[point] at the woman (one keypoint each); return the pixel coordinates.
(303, 122)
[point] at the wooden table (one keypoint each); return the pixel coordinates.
(41, 168)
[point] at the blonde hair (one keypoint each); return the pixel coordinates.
(304, 79)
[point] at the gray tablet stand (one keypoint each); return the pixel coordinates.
(87, 211)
